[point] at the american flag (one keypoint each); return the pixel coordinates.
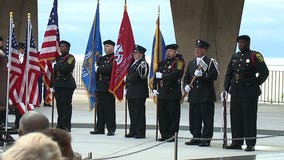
(13, 64)
(29, 80)
(50, 49)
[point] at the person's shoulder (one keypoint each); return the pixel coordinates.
(179, 57)
(258, 56)
(143, 61)
(71, 59)
(71, 56)
(206, 58)
(143, 64)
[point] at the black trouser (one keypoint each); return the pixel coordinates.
(63, 98)
(136, 109)
(106, 112)
(243, 119)
(18, 116)
(169, 117)
(2, 116)
(201, 113)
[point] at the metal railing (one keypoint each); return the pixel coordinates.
(272, 89)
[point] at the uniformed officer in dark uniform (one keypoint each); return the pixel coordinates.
(137, 92)
(105, 99)
(201, 94)
(64, 85)
(167, 86)
(243, 85)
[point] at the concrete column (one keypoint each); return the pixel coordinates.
(20, 8)
(215, 21)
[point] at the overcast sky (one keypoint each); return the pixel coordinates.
(263, 20)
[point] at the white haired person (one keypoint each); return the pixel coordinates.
(33, 146)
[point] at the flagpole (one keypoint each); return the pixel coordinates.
(125, 101)
(125, 5)
(8, 78)
(28, 60)
(93, 54)
(52, 100)
(158, 55)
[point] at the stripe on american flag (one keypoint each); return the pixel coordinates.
(50, 49)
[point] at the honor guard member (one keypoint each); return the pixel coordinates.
(245, 73)
(105, 99)
(167, 86)
(137, 92)
(202, 71)
(22, 50)
(64, 85)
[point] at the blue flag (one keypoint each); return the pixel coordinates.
(158, 50)
(93, 50)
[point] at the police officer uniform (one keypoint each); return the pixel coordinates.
(64, 85)
(105, 99)
(201, 96)
(169, 88)
(243, 85)
(137, 92)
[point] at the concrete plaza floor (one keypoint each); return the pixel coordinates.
(270, 122)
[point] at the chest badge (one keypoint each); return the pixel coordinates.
(247, 60)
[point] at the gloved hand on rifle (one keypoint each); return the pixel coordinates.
(224, 95)
(198, 73)
(155, 92)
(158, 75)
(187, 88)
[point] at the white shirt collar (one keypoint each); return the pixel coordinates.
(198, 59)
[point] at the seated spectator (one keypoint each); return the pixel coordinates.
(33, 146)
(32, 121)
(63, 139)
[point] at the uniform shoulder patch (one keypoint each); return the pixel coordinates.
(180, 64)
(259, 57)
(70, 59)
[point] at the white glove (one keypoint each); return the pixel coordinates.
(198, 73)
(2, 53)
(53, 63)
(224, 94)
(96, 67)
(21, 58)
(187, 88)
(51, 90)
(124, 91)
(124, 79)
(158, 75)
(155, 92)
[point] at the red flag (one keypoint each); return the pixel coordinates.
(123, 57)
(49, 49)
